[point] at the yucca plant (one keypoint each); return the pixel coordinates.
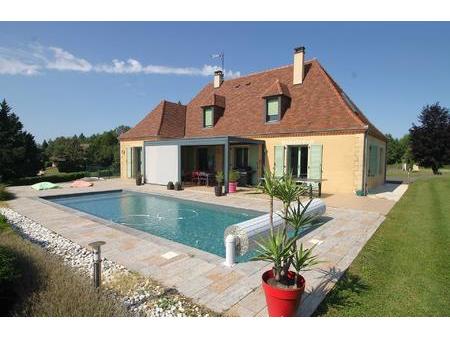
(280, 247)
(269, 186)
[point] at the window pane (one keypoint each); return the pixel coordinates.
(241, 157)
(272, 107)
(208, 117)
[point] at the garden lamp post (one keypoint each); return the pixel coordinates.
(97, 260)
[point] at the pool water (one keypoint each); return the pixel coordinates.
(199, 225)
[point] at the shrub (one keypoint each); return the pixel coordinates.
(62, 177)
(9, 276)
(233, 176)
(4, 195)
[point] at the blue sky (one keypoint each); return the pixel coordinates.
(68, 78)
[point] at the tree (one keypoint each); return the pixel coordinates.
(121, 129)
(430, 140)
(19, 154)
(396, 148)
(392, 150)
(67, 152)
(86, 152)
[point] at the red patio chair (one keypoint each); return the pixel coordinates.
(195, 177)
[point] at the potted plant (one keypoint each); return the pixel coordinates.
(138, 179)
(283, 284)
(233, 176)
(178, 186)
(170, 186)
(218, 187)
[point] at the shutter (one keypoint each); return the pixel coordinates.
(299, 161)
(315, 162)
(373, 160)
(279, 161)
(129, 162)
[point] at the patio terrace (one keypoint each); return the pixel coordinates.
(202, 276)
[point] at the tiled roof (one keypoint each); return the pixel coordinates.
(214, 100)
(277, 88)
(318, 105)
(167, 120)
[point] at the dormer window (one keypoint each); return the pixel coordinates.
(208, 117)
(273, 111)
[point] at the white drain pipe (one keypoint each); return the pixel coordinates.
(230, 250)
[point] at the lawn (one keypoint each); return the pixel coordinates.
(404, 268)
(394, 172)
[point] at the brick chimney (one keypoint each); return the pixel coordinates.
(218, 78)
(299, 65)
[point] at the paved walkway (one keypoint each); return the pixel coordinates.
(197, 274)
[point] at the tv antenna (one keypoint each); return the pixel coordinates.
(220, 55)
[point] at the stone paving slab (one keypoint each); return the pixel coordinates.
(201, 275)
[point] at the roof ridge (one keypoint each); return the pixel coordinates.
(268, 70)
(162, 117)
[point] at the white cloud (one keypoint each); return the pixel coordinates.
(29, 62)
(132, 66)
(17, 67)
(63, 60)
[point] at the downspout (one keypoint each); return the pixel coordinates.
(364, 175)
(143, 162)
(225, 164)
(385, 161)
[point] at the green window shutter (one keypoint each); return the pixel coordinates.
(315, 162)
(208, 117)
(299, 161)
(373, 160)
(279, 160)
(129, 161)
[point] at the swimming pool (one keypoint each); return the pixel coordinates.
(199, 225)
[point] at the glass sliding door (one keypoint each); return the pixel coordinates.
(298, 161)
(134, 161)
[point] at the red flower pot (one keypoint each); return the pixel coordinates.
(282, 302)
(232, 187)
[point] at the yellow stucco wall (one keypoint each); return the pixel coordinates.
(342, 159)
(123, 155)
(373, 181)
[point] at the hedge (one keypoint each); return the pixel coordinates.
(62, 177)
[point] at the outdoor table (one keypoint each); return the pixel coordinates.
(305, 181)
(308, 182)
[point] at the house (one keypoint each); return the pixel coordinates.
(293, 118)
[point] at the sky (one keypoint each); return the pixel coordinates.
(69, 78)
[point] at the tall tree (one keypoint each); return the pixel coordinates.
(430, 140)
(19, 154)
(68, 153)
(396, 148)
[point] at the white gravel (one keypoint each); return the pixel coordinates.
(144, 298)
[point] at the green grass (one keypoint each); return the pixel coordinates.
(395, 172)
(404, 269)
(35, 283)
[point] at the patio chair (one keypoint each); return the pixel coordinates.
(195, 177)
